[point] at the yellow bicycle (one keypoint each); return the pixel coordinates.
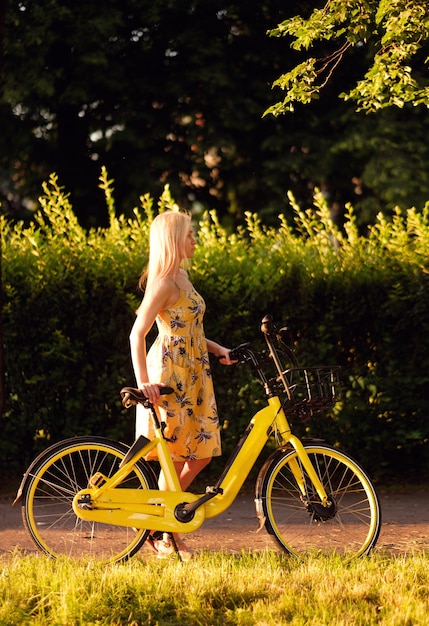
(90, 497)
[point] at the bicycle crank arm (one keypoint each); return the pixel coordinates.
(149, 509)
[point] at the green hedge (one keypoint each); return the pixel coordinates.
(68, 305)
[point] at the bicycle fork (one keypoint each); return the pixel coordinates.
(302, 460)
(322, 510)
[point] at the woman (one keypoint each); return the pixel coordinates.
(178, 358)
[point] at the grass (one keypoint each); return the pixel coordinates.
(264, 588)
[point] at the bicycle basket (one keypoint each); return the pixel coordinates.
(311, 391)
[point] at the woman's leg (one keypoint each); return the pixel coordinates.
(186, 472)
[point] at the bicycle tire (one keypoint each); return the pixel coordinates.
(298, 522)
(58, 474)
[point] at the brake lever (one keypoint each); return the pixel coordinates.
(236, 354)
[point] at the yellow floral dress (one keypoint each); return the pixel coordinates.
(179, 358)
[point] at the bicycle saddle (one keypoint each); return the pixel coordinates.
(132, 396)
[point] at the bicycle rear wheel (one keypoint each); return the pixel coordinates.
(298, 522)
(58, 474)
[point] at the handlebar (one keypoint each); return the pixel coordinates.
(279, 357)
(241, 353)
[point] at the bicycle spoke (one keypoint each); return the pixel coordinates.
(298, 521)
(48, 513)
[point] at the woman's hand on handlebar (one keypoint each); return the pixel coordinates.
(220, 352)
(224, 356)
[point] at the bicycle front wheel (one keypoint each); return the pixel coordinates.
(296, 519)
(58, 474)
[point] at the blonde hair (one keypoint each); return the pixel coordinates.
(168, 233)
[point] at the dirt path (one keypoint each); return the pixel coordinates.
(405, 527)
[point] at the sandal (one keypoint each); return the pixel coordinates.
(161, 544)
(164, 545)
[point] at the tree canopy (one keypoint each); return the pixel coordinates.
(393, 35)
(166, 92)
(174, 92)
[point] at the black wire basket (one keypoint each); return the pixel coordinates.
(311, 391)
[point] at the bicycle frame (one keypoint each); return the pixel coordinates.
(184, 512)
